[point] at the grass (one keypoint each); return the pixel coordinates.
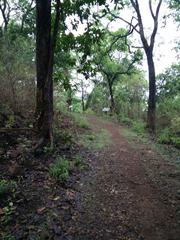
(8, 237)
(60, 169)
(95, 140)
(168, 152)
(7, 187)
(80, 120)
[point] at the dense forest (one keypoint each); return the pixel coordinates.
(63, 62)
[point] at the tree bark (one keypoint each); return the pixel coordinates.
(151, 114)
(43, 52)
(111, 96)
(45, 47)
(148, 48)
(82, 96)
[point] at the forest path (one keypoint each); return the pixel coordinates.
(120, 196)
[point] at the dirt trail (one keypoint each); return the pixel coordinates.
(120, 199)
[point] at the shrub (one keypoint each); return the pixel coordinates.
(139, 127)
(78, 161)
(125, 120)
(63, 136)
(90, 111)
(8, 237)
(175, 124)
(175, 141)
(80, 121)
(164, 136)
(7, 187)
(60, 169)
(167, 136)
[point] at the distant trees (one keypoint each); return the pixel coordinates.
(17, 67)
(113, 59)
(129, 97)
(168, 105)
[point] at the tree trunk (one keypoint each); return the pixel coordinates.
(111, 96)
(45, 47)
(44, 81)
(151, 115)
(82, 95)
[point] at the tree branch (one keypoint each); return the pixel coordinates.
(151, 10)
(155, 25)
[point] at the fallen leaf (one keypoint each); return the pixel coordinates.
(70, 194)
(40, 210)
(56, 198)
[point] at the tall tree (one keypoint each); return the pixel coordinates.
(148, 48)
(113, 59)
(45, 45)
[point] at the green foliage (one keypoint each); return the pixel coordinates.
(167, 136)
(64, 136)
(7, 187)
(17, 72)
(168, 106)
(80, 120)
(60, 169)
(125, 120)
(175, 124)
(175, 5)
(96, 140)
(78, 161)
(139, 127)
(8, 237)
(168, 83)
(60, 100)
(7, 214)
(98, 98)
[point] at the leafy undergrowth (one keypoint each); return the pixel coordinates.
(90, 140)
(95, 140)
(37, 195)
(168, 152)
(168, 135)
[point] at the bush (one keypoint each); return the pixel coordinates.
(7, 187)
(60, 169)
(125, 120)
(80, 121)
(63, 136)
(8, 237)
(167, 136)
(164, 136)
(175, 141)
(78, 161)
(139, 127)
(175, 125)
(90, 111)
